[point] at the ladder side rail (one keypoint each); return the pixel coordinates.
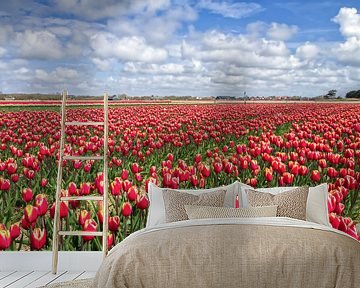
(55, 243)
(105, 202)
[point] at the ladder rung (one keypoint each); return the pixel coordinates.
(84, 123)
(83, 157)
(80, 233)
(87, 198)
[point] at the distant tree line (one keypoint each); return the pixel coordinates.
(353, 94)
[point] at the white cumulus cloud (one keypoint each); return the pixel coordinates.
(126, 48)
(348, 52)
(349, 21)
(39, 44)
(281, 32)
(307, 51)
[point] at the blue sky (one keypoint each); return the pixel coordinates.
(180, 47)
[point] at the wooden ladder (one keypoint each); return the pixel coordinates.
(56, 230)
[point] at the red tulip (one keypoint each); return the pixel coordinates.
(135, 168)
(41, 204)
(339, 208)
(350, 182)
(170, 157)
(99, 183)
(77, 164)
(72, 188)
(198, 158)
(244, 164)
(334, 220)
(4, 184)
(110, 240)
(194, 180)
(138, 177)
(347, 225)
(27, 194)
(343, 191)
(29, 173)
(332, 172)
(281, 181)
(116, 187)
(114, 223)
(100, 216)
(11, 168)
(315, 175)
(252, 182)
(85, 188)
(337, 194)
(142, 202)
(288, 178)
(30, 213)
(331, 203)
(43, 182)
(125, 174)
(126, 185)
(153, 169)
(217, 167)
(268, 174)
(15, 230)
(132, 193)
(5, 239)
(89, 226)
(87, 167)
(38, 238)
(14, 177)
(205, 171)
(281, 168)
(25, 224)
(303, 170)
(64, 210)
(229, 168)
(349, 153)
(83, 216)
(126, 209)
(322, 163)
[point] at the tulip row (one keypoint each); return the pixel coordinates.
(183, 146)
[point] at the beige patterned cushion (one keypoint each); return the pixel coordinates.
(201, 212)
(290, 204)
(175, 201)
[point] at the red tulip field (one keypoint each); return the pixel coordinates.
(176, 146)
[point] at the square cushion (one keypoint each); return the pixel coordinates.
(156, 212)
(290, 204)
(316, 206)
(202, 212)
(175, 201)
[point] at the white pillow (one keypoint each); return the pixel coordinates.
(156, 213)
(316, 206)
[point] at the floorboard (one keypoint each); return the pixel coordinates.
(28, 279)
(13, 277)
(44, 280)
(87, 274)
(68, 276)
(35, 279)
(5, 274)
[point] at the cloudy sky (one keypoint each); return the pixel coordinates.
(180, 47)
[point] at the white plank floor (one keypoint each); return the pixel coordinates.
(32, 279)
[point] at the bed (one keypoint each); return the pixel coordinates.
(233, 252)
